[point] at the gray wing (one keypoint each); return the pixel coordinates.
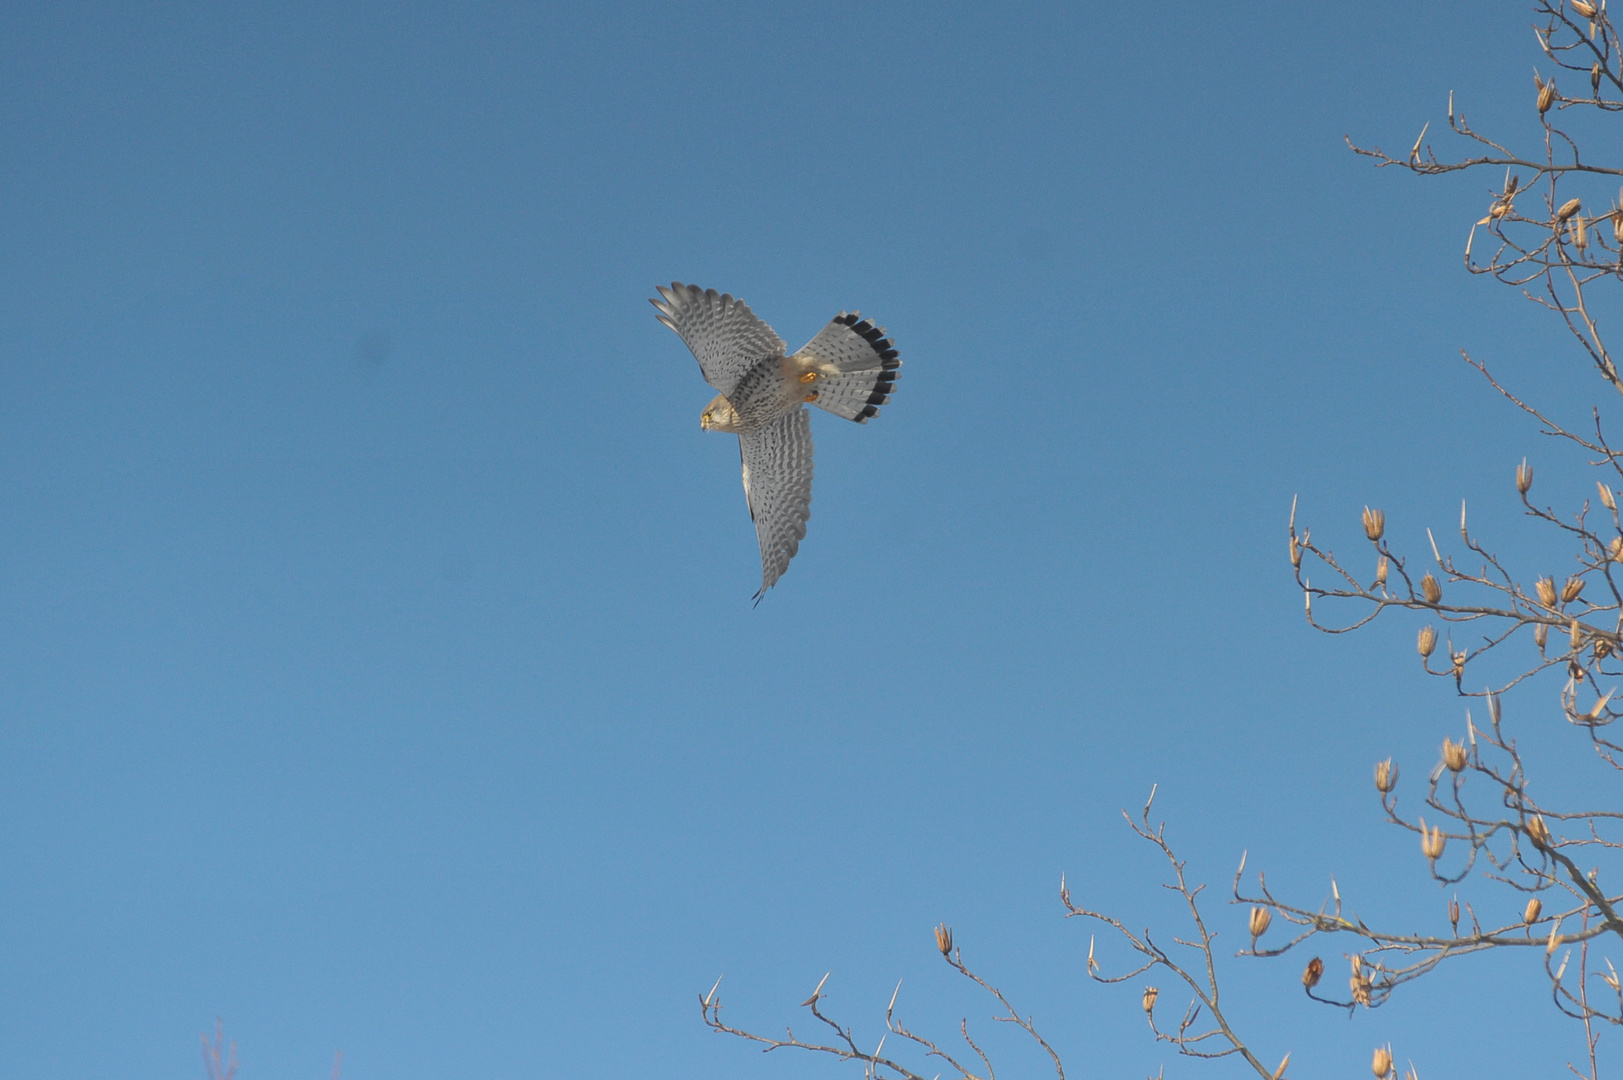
(866, 360)
(723, 332)
(777, 482)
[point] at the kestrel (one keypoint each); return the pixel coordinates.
(847, 369)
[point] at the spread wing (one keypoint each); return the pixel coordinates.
(867, 363)
(723, 332)
(777, 482)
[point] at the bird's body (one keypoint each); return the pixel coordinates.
(848, 369)
(767, 391)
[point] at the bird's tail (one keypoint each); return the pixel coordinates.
(866, 362)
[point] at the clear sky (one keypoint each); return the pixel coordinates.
(377, 666)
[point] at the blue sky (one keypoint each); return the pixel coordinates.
(378, 670)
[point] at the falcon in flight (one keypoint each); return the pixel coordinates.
(847, 369)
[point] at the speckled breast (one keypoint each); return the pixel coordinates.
(764, 393)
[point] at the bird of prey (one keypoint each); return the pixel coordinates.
(847, 369)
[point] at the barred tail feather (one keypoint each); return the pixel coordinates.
(867, 363)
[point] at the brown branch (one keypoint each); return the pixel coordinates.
(1205, 987)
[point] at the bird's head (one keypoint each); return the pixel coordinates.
(719, 415)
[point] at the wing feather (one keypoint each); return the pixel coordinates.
(723, 333)
(777, 465)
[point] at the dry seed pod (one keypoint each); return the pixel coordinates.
(1580, 233)
(1570, 591)
(1454, 914)
(1374, 523)
(1538, 832)
(1380, 572)
(1427, 641)
(1261, 917)
(1603, 648)
(1454, 755)
(1575, 633)
(943, 939)
(1313, 972)
(1150, 994)
(1546, 97)
(1569, 207)
(1433, 842)
(1599, 708)
(1296, 553)
(1586, 9)
(1386, 776)
(1534, 909)
(1541, 634)
(1545, 587)
(1524, 477)
(1594, 77)
(1607, 499)
(1615, 549)
(1617, 226)
(1429, 588)
(1381, 1063)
